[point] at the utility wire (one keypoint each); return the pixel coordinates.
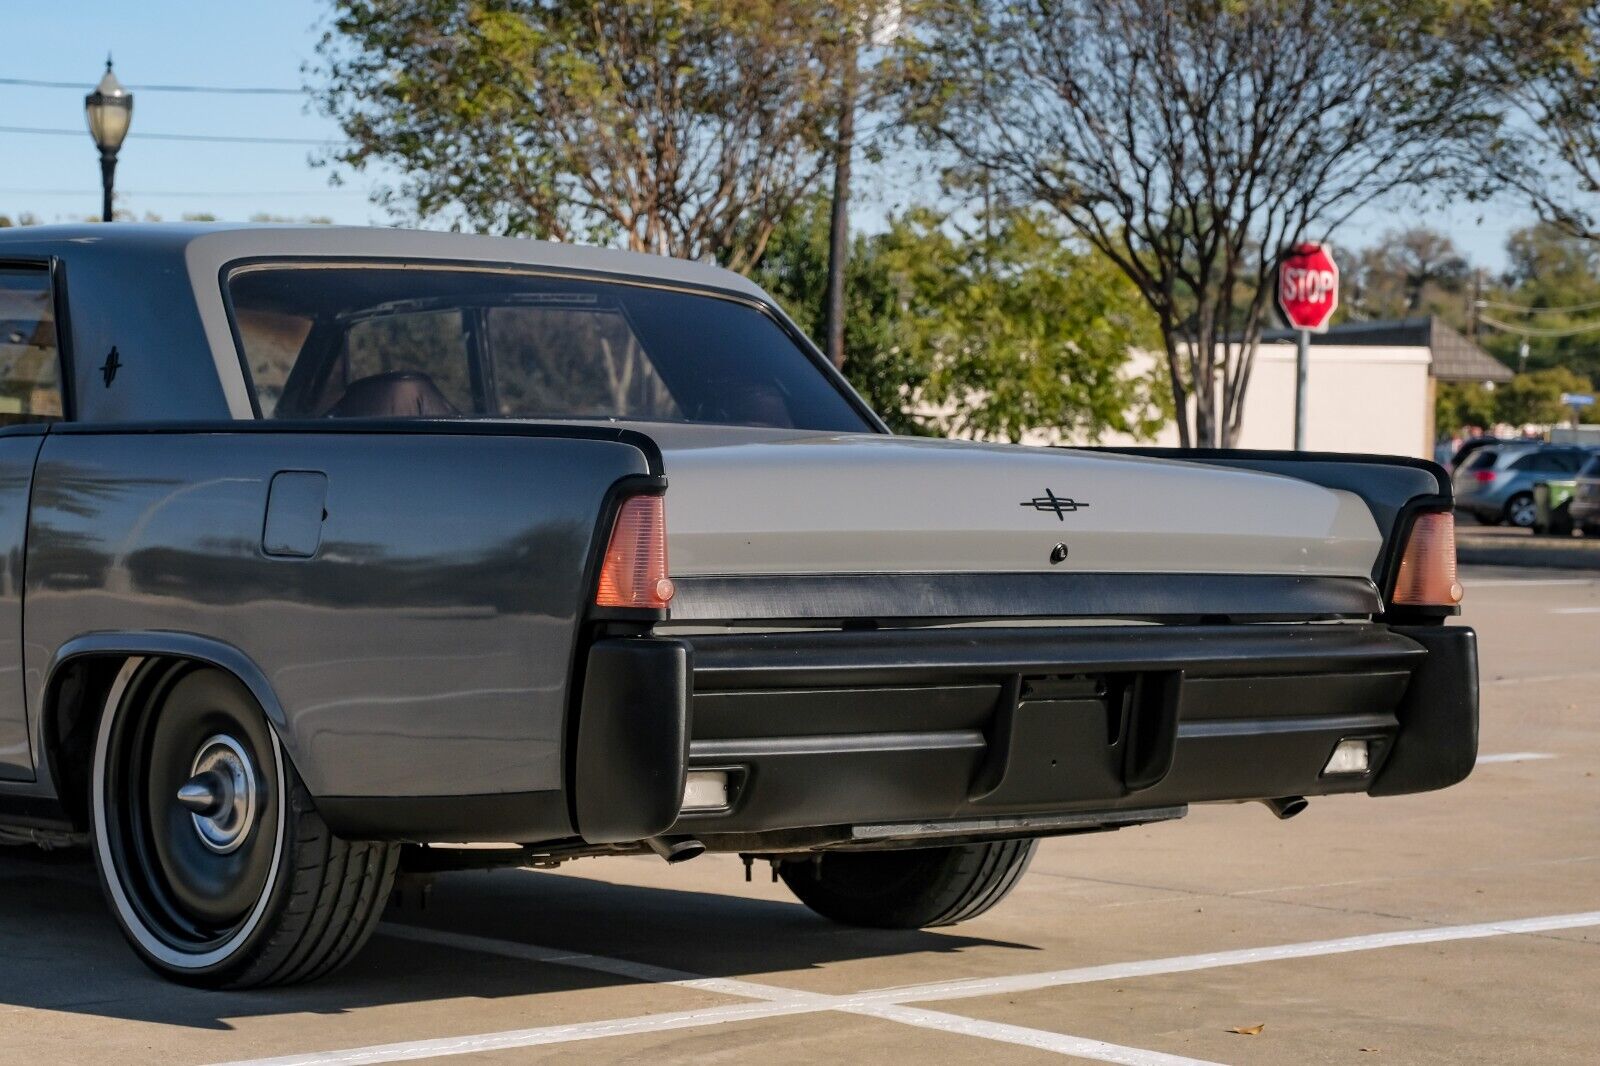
(207, 137)
(1538, 331)
(228, 89)
(184, 192)
(1574, 309)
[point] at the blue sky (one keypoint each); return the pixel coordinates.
(167, 42)
(265, 44)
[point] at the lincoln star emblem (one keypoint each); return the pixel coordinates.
(1058, 504)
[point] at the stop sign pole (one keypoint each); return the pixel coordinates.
(1308, 294)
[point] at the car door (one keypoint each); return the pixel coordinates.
(30, 398)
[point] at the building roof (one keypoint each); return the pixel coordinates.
(1455, 357)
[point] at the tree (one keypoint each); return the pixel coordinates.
(1462, 405)
(863, 25)
(681, 127)
(1023, 331)
(1550, 299)
(1406, 273)
(1193, 141)
(1534, 399)
(1545, 58)
(795, 270)
(989, 332)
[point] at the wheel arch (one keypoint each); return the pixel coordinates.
(82, 675)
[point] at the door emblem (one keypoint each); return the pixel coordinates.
(109, 368)
(1059, 505)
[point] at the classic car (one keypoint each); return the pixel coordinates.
(329, 551)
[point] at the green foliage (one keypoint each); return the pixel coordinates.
(1460, 405)
(1549, 270)
(987, 334)
(1534, 398)
(680, 127)
(878, 364)
(1192, 142)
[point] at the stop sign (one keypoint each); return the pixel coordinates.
(1308, 287)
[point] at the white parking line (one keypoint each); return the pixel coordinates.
(1575, 610)
(1515, 756)
(1121, 971)
(1078, 1046)
(888, 1004)
(411, 1050)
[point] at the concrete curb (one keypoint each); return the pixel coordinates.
(1566, 553)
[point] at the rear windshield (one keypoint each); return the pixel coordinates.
(369, 341)
(1482, 459)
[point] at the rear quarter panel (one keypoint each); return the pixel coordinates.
(423, 650)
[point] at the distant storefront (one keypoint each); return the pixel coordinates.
(1371, 387)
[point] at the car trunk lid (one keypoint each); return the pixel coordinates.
(750, 501)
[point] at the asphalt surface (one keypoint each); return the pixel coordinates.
(1509, 546)
(1460, 926)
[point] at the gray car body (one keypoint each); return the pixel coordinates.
(427, 643)
(1585, 508)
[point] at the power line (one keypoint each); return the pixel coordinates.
(1574, 309)
(206, 137)
(234, 90)
(184, 192)
(1537, 331)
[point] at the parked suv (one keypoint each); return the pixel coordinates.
(1495, 485)
(1585, 506)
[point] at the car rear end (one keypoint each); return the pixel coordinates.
(876, 642)
(1485, 482)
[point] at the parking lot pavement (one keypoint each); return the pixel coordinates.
(1509, 546)
(1450, 927)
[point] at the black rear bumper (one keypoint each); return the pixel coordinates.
(857, 727)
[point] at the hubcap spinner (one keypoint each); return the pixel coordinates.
(221, 794)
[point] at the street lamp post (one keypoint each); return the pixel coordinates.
(109, 109)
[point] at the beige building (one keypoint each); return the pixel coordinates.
(1370, 387)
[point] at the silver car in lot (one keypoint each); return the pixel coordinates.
(1585, 506)
(1495, 485)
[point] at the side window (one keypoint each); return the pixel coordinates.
(30, 363)
(273, 340)
(1540, 462)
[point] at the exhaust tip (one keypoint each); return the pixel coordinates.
(1286, 807)
(676, 849)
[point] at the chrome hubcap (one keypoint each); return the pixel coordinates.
(220, 794)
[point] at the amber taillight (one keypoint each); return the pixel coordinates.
(1428, 568)
(634, 571)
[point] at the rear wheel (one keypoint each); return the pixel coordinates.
(909, 889)
(215, 861)
(1521, 510)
